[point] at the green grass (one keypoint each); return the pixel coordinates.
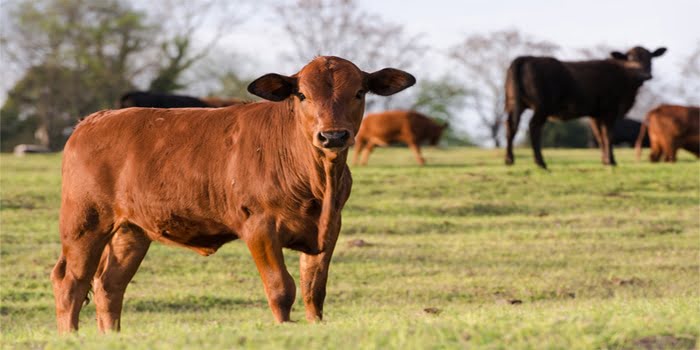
(580, 257)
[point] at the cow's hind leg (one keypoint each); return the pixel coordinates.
(536, 123)
(369, 147)
(360, 143)
(655, 152)
(264, 246)
(607, 135)
(415, 148)
(117, 267)
(511, 129)
(83, 238)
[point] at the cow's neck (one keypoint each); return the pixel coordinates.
(324, 172)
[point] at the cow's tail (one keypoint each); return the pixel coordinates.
(640, 138)
(513, 101)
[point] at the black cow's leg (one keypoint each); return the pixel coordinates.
(314, 276)
(606, 135)
(603, 138)
(266, 250)
(536, 124)
(511, 129)
(596, 131)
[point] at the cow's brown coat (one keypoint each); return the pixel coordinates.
(409, 127)
(272, 174)
(670, 128)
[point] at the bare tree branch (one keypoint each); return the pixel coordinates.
(484, 59)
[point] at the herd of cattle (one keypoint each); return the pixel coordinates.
(274, 174)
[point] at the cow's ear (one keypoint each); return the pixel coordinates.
(389, 81)
(273, 87)
(618, 55)
(658, 52)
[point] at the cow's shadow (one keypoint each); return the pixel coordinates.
(188, 303)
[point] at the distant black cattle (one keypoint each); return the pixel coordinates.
(625, 133)
(158, 100)
(601, 89)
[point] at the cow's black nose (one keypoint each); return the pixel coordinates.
(333, 139)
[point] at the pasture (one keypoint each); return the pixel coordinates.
(462, 253)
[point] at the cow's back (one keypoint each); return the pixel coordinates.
(675, 121)
(385, 127)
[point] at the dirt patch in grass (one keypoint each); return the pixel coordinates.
(663, 342)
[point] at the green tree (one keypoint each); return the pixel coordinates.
(483, 60)
(442, 99)
(78, 57)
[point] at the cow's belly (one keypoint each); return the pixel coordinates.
(203, 235)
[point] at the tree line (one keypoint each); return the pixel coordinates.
(74, 57)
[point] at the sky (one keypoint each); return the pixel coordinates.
(622, 24)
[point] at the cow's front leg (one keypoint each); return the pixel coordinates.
(266, 250)
(314, 275)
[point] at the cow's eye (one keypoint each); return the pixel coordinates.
(360, 94)
(301, 96)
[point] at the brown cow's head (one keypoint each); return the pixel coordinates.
(329, 97)
(438, 134)
(639, 59)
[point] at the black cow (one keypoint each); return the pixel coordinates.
(601, 89)
(625, 132)
(158, 100)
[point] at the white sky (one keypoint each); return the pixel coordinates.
(571, 24)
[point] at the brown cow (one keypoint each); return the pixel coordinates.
(409, 127)
(273, 174)
(670, 128)
(601, 89)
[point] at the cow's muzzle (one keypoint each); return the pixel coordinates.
(333, 138)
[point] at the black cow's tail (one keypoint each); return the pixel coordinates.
(640, 139)
(514, 105)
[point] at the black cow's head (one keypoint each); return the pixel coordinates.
(639, 59)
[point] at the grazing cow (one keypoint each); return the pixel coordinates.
(625, 132)
(272, 174)
(157, 100)
(670, 128)
(602, 89)
(409, 127)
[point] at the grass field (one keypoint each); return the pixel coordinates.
(462, 253)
